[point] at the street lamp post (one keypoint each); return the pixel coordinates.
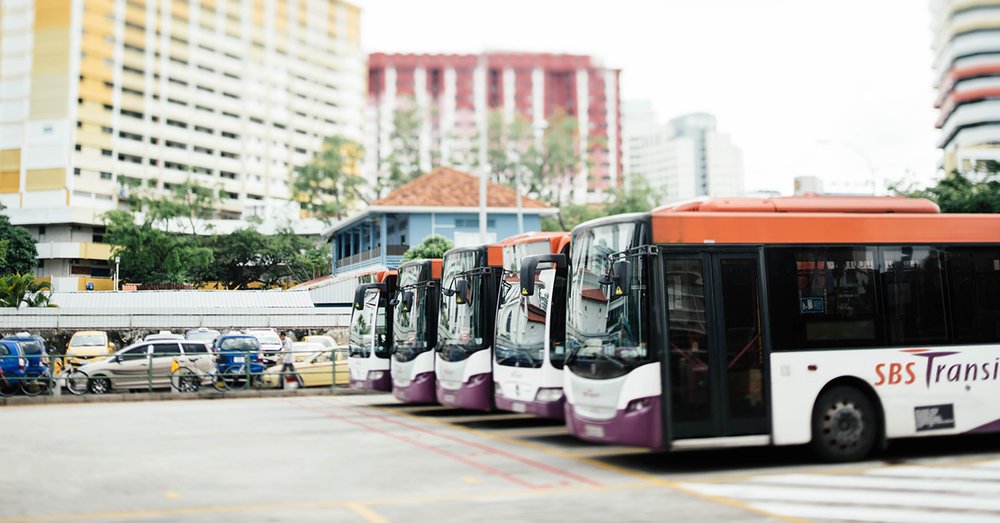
(117, 260)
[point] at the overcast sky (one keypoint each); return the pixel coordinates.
(804, 87)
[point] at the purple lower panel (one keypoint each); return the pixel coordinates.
(545, 409)
(383, 383)
(993, 426)
(475, 394)
(642, 427)
(420, 390)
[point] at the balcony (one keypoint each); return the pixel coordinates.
(372, 257)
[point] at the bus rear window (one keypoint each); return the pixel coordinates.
(823, 297)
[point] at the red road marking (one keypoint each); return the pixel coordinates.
(479, 446)
(485, 468)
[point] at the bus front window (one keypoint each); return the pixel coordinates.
(606, 333)
(460, 325)
(409, 328)
(362, 330)
(521, 321)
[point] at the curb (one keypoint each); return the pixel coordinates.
(14, 401)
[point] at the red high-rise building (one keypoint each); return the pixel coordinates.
(452, 93)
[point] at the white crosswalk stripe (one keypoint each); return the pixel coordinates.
(901, 494)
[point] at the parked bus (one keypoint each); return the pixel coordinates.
(370, 334)
(531, 326)
(414, 330)
(470, 283)
(835, 321)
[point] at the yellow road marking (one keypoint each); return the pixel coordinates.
(472, 480)
(362, 506)
(170, 494)
(366, 513)
(645, 477)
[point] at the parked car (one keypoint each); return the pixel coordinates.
(327, 342)
(12, 367)
(238, 355)
(143, 364)
(315, 368)
(87, 346)
(270, 344)
(163, 335)
(203, 334)
(36, 373)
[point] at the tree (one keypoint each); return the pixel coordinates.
(188, 199)
(553, 166)
(18, 248)
(329, 185)
(154, 256)
(403, 163)
(433, 246)
(18, 289)
(977, 192)
(638, 197)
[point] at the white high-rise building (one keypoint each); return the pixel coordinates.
(99, 96)
(967, 73)
(685, 158)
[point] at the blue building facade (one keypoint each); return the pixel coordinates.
(379, 238)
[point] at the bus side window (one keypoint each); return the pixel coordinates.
(974, 289)
(913, 294)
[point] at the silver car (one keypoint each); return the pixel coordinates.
(144, 364)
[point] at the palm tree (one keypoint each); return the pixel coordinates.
(17, 289)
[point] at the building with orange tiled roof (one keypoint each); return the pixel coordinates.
(445, 202)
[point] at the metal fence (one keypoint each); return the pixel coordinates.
(225, 371)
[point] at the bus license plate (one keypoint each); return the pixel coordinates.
(239, 359)
(449, 398)
(519, 407)
(594, 431)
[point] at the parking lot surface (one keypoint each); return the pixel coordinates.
(369, 459)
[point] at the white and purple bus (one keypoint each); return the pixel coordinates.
(414, 330)
(841, 322)
(531, 326)
(470, 283)
(370, 334)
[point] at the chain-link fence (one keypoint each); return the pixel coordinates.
(181, 371)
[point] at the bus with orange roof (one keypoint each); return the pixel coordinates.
(530, 327)
(838, 322)
(414, 330)
(370, 333)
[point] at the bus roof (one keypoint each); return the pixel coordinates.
(384, 275)
(557, 240)
(809, 203)
(434, 263)
(823, 227)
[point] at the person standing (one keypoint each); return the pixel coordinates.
(288, 361)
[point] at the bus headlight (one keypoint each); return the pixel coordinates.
(639, 404)
(376, 374)
(549, 395)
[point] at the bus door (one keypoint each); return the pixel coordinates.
(714, 378)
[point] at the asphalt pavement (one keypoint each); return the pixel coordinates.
(368, 459)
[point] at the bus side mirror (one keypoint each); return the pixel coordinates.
(462, 291)
(359, 297)
(620, 271)
(529, 266)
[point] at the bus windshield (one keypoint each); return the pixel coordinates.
(521, 321)
(460, 325)
(409, 327)
(606, 335)
(362, 331)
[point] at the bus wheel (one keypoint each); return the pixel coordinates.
(844, 425)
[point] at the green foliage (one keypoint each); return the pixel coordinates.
(961, 193)
(639, 197)
(18, 289)
(18, 254)
(404, 161)
(188, 199)
(154, 256)
(329, 185)
(433, 246)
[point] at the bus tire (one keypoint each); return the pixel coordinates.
(844, 425)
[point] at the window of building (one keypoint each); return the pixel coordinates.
(105, 175)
